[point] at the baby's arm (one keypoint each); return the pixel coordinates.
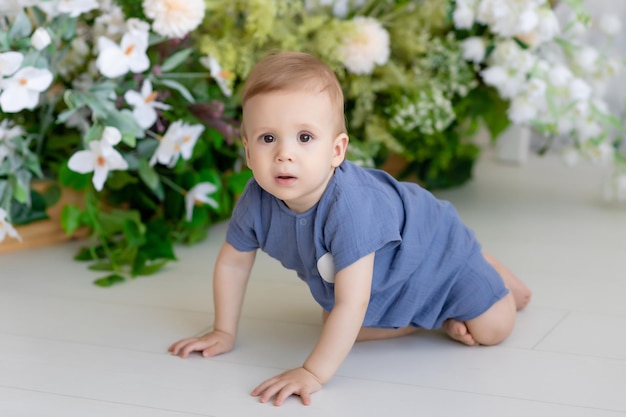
(352, 293)
(230, 278)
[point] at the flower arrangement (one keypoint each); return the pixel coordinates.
(112, 98)
(136, 104)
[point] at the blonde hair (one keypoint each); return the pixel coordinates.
(295, 71)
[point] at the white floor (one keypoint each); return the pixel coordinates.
(68, 348)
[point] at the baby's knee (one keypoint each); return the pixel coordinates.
(494, 325)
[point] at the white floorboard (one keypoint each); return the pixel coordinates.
(69, 348)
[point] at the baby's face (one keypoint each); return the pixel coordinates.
(292, 146)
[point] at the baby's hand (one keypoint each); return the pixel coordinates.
(297, 381)
(211, 344)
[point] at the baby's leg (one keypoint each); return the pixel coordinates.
(520, 291)
(495, 324)
(371, 333)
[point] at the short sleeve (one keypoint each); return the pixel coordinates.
(362, 220)
(241, 231)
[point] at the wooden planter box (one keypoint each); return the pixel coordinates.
(45, 232)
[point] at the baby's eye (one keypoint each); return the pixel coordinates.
(304, 138)
(268, 138)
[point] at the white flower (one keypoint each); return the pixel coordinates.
(145, 104)
(509, 54)
(587, 59)
(21, 91)
(601, 154)
(508, 82)
(137, 26)
(464, 14)
(179, 140)
(474, 49)
(199, 194)
(548, 26)
(521, 110)
(219, 75)
(111, 23)
(579, 90)
(585, 125)
(530, 104)
(7, 228)
(100, 158)
(40, 38)
(560, 75)
(10, 62)
(72, 7)
(527, 21)
(610, 25)
(367, 46)
(174, 18)
(116, 60)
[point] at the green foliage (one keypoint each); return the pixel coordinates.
(425, 69)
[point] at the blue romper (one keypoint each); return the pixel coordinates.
(428, 266)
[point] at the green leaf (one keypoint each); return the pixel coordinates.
(176, 59)
(158, 242)
(129, 139)
(120, 179)
(24, 214)
(21, 27)
(151, 268)
(237, 181)
(151, 178)
(72, 179)
(101, 266)
(126, 123)
(71, 218)
(109, 280)
(180, 88)
(134, 233)
(89, 254)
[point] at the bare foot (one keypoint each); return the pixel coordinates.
(457, 330)
(520, 291)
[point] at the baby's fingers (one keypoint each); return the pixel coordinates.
(187, 346)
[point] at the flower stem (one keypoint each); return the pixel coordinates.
(173, 185)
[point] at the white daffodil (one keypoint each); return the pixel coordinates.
(21, 91)
(198, 195)
(72, 7)
(7, 228)
(100, 158)
(9, 63)
(40, 38)
(219, 75)
(130, 55)
(144, 104)
(179, 140)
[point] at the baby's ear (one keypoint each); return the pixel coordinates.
(244, 140)
(340, 146)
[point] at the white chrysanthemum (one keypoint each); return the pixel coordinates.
(367, 46)
(174, 18)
